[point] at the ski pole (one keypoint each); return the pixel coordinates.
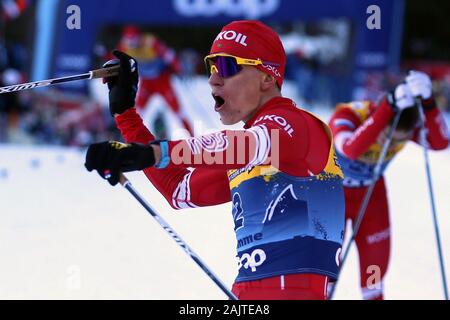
(424, 143)
(127, 185)
(93, 74)
(365, 202)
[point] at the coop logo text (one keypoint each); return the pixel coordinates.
(250, 9)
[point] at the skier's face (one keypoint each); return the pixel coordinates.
(237, 97)
(399, 136)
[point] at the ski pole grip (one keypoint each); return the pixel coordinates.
(122, 179)
(105, 72)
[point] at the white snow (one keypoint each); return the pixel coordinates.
(67, 234)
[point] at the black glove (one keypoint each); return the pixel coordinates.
(110, 158)
(122, 88)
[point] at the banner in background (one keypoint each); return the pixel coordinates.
(372, 49)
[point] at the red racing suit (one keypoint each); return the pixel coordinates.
(282, 177)
(358, 134)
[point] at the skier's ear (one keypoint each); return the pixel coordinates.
(267, 82)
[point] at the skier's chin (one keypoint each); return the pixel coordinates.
(227, 120)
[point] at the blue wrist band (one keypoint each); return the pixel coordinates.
(165, 157)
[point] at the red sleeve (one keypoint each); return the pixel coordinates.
(437, 132)
(290, 140)
(353, 138)
(182, 187)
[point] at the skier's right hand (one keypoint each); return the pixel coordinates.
(401, 98)
(122, 88)
(110, 158)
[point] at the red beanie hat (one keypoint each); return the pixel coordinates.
(253, 40)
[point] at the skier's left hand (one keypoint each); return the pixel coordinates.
(420, 84)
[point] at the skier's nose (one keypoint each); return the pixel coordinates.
(215, 80)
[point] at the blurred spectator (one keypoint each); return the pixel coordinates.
(157, 63)
(11, 9)
(191, 63)
(373, 85)
(12, 105)
(65, 118)
(316, 58)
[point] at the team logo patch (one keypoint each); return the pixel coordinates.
(118, 145)
(282, 122)
(233, 36)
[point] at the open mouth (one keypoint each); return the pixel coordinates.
(219, 102)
